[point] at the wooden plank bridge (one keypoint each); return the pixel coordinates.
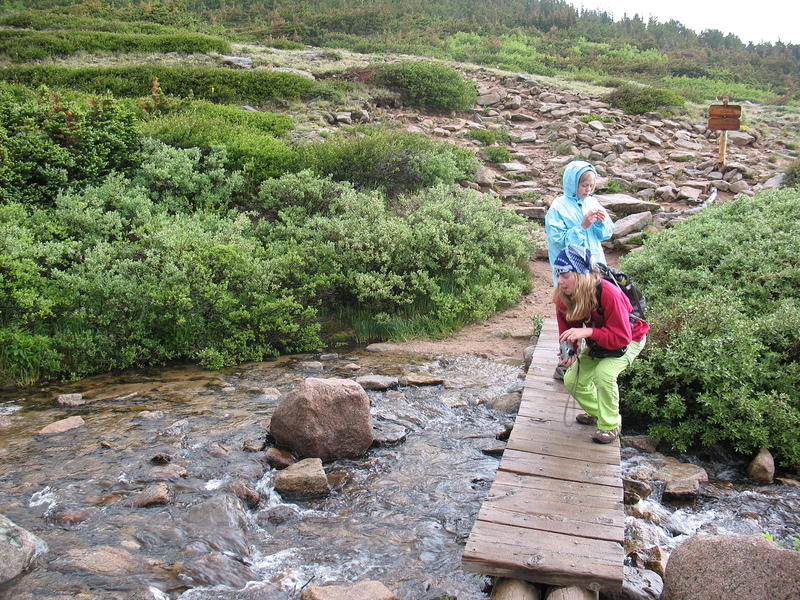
(554, 514)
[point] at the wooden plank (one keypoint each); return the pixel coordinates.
(725, 111)
(560, 468)
(551, 522)
(506, 479)
(544, 557)
(723, 123)
(569, 449)
(596, 510)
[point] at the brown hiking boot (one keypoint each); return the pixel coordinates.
(603, 436)
(585, 419)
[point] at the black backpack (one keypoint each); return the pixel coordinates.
(627, 285)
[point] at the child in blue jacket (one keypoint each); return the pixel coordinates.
(576, 218)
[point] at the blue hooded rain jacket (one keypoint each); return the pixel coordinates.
(562, 222)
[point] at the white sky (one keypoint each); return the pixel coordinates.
(760, 21)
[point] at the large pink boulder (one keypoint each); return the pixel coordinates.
(324, 418)
(732, 566)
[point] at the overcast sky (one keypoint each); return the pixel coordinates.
(760, 21)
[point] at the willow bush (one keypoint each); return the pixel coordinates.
(429, 85)
(722, 363)
(214, 84)
(23, 46)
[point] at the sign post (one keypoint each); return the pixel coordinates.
(724, 117)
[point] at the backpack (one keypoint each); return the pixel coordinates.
(628, 287)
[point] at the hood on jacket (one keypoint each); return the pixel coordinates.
(572, 175)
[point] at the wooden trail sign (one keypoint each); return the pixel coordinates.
(724, 117)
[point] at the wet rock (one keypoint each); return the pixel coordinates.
(329, 356)
(655, 559)
(492, 447)
(762, 467)
(507, 403)
(271, 394)
(377, 382)
(18, 549)
(7, 422)
(640, 584)
(489, 99)
(632, 223)
(641, 534)
(646, 510)
(161, 459)
(324, 418)
(682, 479)
(635, 490)
(261, 590)
(368, 590)
(421, 379)
(70, 399)
(216, 568)
(388, 434)
(220, 523)
(731, 566)
(253, 445)
(170, 471)
(282, 513)
(63, 425)
(352, 367)
(641, 442)
(304, 479)
(623, 204)
(245, 493)
(278, 458)
(101, 560)
(313, 365)
(156, 494)
(69, 517)
(151, 415)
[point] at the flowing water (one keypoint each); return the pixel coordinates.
(399, 515)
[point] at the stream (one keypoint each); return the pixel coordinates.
(399, 515)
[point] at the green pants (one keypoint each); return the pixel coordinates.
(593, 383)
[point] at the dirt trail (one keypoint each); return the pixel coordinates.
(504, 334)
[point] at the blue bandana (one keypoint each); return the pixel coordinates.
(573, 259)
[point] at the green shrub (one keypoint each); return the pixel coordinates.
(107, 280)
(255, 152)
(498, 154)
(721, 360)
(48, 145)
(41, 20)
(392, 160)
(430, 85)
(22, 46)
(413, 265)
(637, 100)
(183, 180)
(489, 136)
(792, 178)
(213, 84)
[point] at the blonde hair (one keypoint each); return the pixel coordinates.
(583, 300)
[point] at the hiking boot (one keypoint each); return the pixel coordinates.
(603, 436)
(585, 419)
(559, 372)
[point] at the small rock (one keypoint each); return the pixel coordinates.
(305, 479)
(368, 590)
(70, 399)
(762, 467)
(158, 493)
(387, 434)
(245, 493)
(377, 382)
(161, 459)
(63, 425)
(278, 458)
